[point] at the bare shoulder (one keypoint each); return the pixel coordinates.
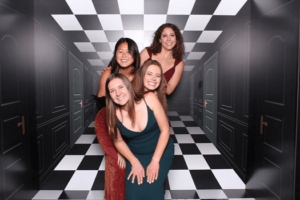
(151, 99)
(106, 73)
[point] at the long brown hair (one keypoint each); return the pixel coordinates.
(139, 87)
(178, 49)
(112, 107)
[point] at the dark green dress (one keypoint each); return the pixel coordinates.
(143, 144)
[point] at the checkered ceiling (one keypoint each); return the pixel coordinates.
(95, 25)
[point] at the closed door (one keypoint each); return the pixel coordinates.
(76, 99)
(15, 171)
(192, 95)
(210, 98)
(275, 58)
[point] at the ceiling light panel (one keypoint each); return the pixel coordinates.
(229, 7)
(67, 22)
(209, 36)
(96, 36)
(181, 7)
(195, 55)
(132, 7)
(197, 22)
(82, 7)
(152, 22)
(85, 46)
(111, 22)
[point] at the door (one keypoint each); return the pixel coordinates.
(192, 95)
(275, 58)
(76, 99)
(210, 98)
(15, 65)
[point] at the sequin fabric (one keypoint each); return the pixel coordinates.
(114, 182)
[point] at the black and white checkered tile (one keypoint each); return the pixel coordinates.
(198, 170)
(94, 26)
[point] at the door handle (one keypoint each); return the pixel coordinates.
(22, 124)
(262, 124)
(205, 103)
(80, 103)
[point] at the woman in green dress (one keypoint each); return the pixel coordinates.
(139, 127)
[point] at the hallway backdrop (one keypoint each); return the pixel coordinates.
(240, 81)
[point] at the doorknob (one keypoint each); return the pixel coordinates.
(80, 103)
(22, 124)
(205, 103)
(262, 124)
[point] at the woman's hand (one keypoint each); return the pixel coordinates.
(152, 171)
(137, 171)
(105, 68)
(121, 161)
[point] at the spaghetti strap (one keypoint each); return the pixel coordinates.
(145, 102)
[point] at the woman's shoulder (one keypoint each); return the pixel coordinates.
(107, 72)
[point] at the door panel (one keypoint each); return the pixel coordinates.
(275, 56)
(210, 98)
(76, 98)
(14, 145)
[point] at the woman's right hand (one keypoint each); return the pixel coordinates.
(105, 68)
(137, 171)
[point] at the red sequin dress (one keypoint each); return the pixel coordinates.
(168, 74)
(114, 175)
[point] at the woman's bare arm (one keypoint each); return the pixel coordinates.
(174, 81)
(162, 121)
(137, 170)
(102, 81)
(144, 56)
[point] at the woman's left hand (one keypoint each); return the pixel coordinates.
(152, 171)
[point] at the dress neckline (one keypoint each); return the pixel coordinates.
(146, 123)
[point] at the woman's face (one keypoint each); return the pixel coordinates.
(152, 77)
(118, 92)
(168, 38)
(123, 55)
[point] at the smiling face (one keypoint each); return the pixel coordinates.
(152, 77)
(168, 38)
(123, 55)
(118, 92)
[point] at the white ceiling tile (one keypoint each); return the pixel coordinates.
(105, 55)
(111, 22)
(112, 45)
(137, 36)
(96, 36)
(82, 7)
(197, 22)
(180, 7)
(188, 46)
(131, 6)
(67, 22)
(96, 62)
(195, 55)
(209, 36)
(140, 46)
(152, 22)
(188, 68)
(229, 7)
(85, 46)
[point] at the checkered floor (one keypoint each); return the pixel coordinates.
(198, 172)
